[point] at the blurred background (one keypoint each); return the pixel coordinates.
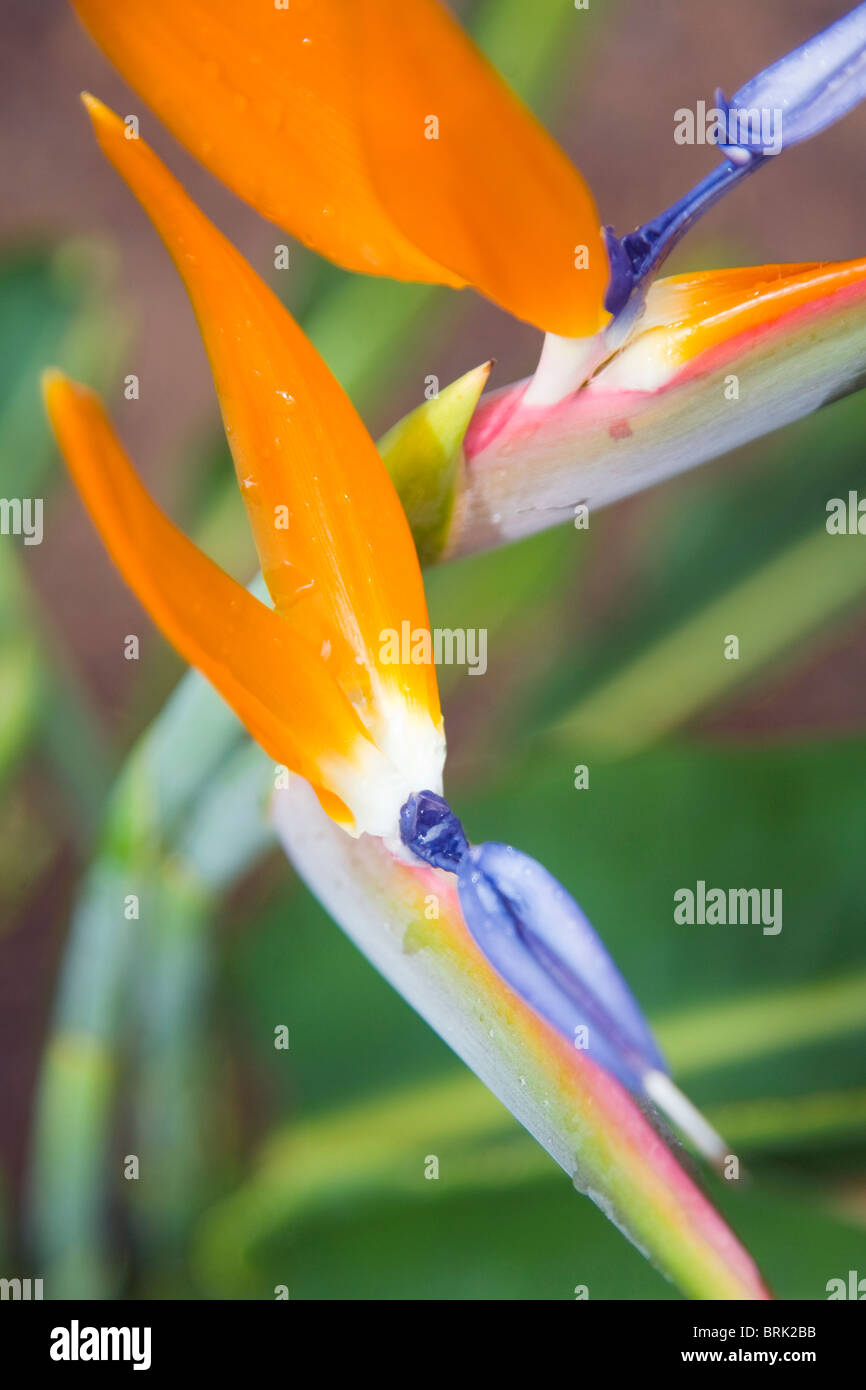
(155, 1037)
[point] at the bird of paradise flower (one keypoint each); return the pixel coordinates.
(306, 678)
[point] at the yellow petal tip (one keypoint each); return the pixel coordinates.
(101, 116)
(53, 381)
(92, 105)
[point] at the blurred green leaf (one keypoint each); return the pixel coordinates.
(739, 547)
(323, 1187)
(790, 597)
(54, 307)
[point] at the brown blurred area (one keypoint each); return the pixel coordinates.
(616, 122)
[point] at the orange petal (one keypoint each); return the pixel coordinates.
(688, 315)
(277, 686)
(345, 570)
(260, 96)
(319, 116)
(468, 173)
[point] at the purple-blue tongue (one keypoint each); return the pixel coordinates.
(538, 939)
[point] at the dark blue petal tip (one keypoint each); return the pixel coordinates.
(431, 830)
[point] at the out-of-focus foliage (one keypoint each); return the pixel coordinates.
(53, 306)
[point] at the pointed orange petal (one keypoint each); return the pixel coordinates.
(261, 96)
(336, 550)
(688, 315)
(321, 115)
(468, 173)
(276, 685)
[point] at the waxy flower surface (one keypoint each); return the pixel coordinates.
(372, 139)
(335, 549)
(345, 122)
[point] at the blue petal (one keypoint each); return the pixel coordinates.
(533, 932)
(812, 87)
(817, 84)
